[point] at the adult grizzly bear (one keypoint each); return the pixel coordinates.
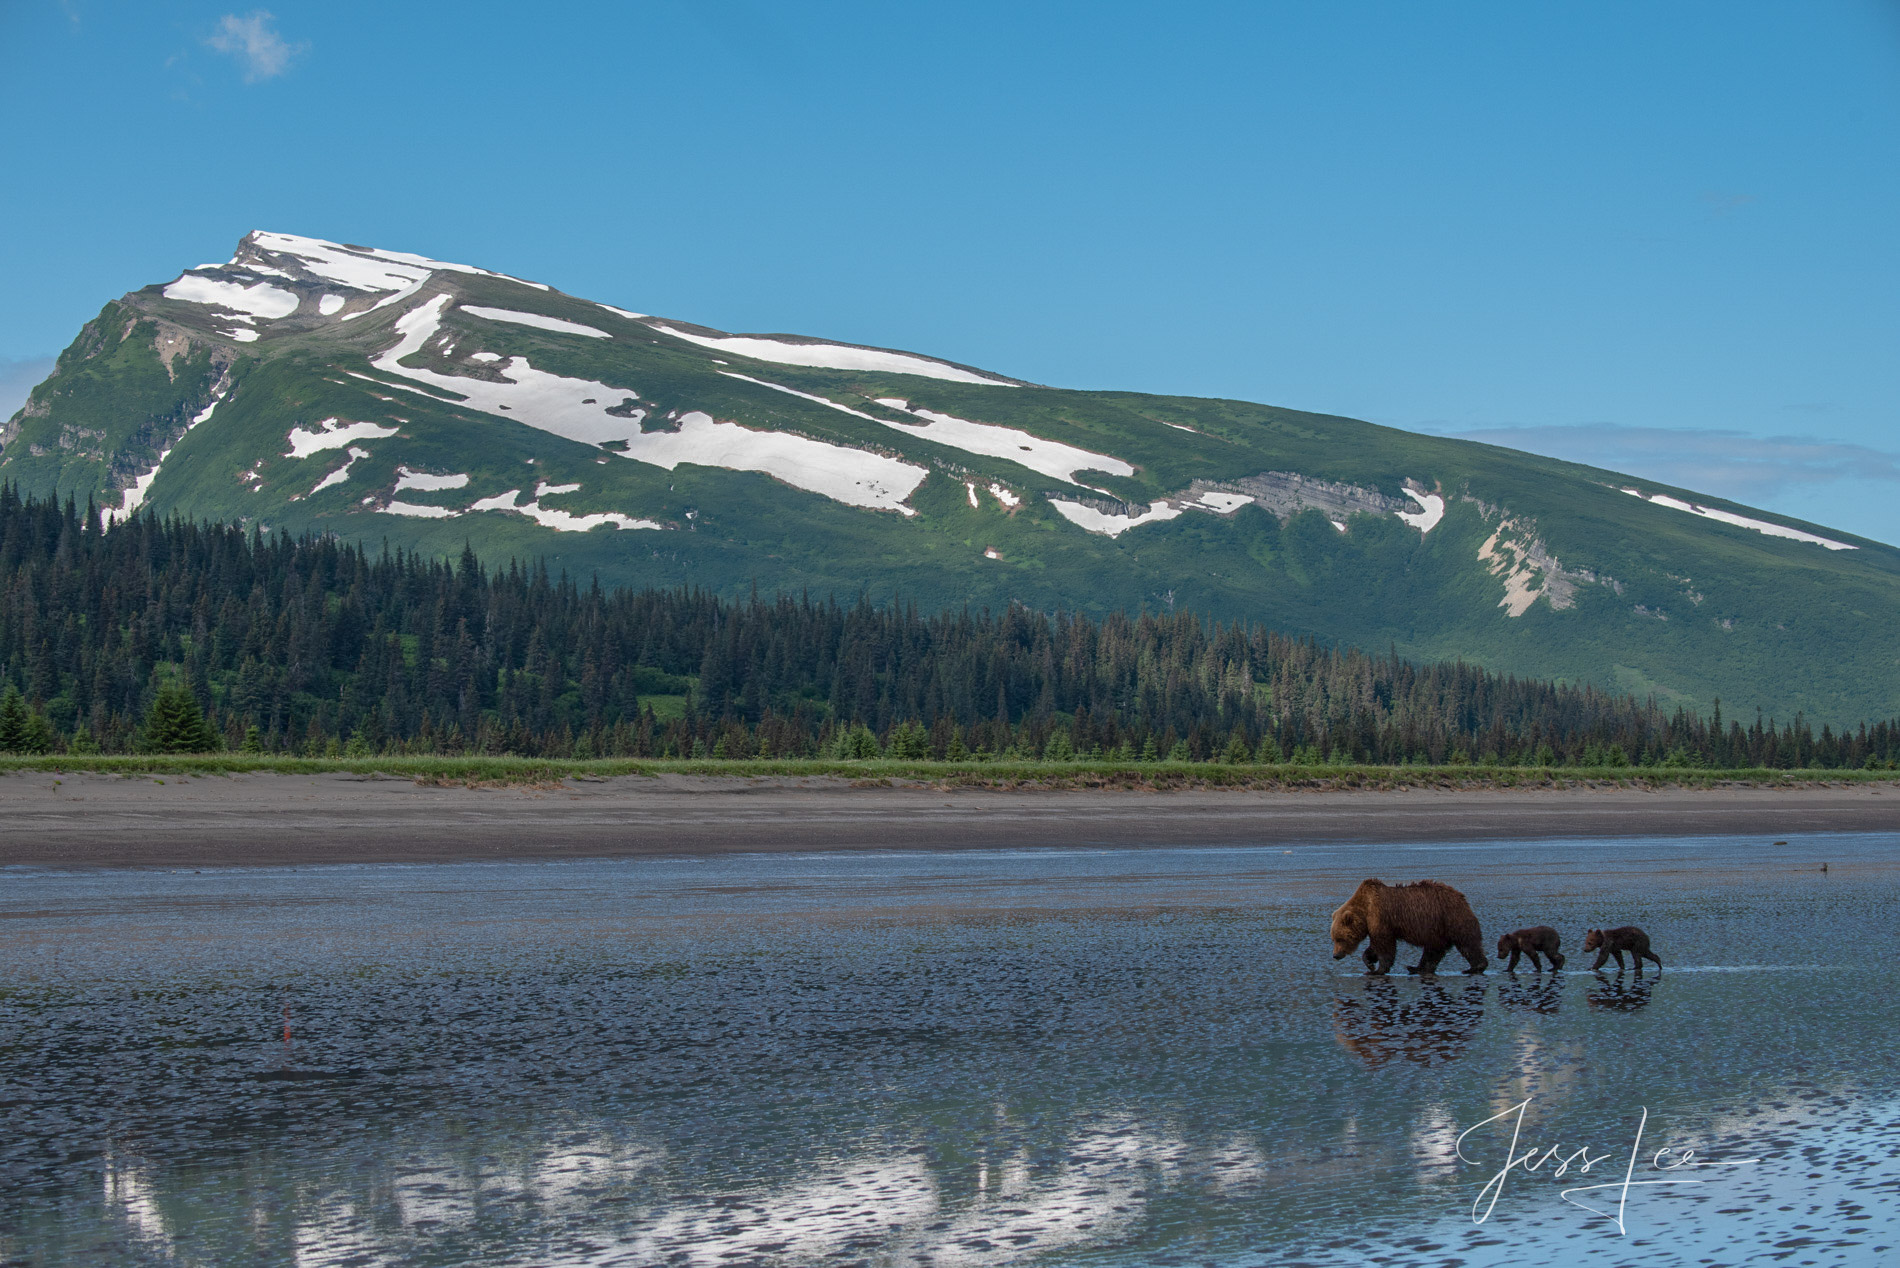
(1536, 940)
(1432, 917)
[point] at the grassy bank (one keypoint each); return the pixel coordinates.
(492, 771)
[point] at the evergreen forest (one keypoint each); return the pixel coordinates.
(164, 635)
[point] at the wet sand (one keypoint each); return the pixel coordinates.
(85, 820)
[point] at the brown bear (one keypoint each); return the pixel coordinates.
(1432, 917)
(1534, 941)
(1614, 942)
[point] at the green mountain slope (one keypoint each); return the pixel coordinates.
(306, 385)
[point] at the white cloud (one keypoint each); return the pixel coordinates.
(1731, 464)
(255, 43)
(1834, 483)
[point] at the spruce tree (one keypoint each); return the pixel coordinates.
(176, 724)
(40, 737)
(13, 721)
(909, 742)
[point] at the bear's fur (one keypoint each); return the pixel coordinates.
(1432, 917)
(1534, 941)
(1614, 942)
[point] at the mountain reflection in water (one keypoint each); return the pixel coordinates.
(1113, 1058)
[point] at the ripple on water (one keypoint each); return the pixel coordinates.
(1115, 1058)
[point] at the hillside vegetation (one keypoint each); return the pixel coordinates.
(308, 387)
(119, 640)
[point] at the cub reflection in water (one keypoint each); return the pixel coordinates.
(1617, 996)
(1430, 1024)
(1541, 995)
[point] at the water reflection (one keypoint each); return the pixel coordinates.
(1384, 1021)
(1540, 995)
(626, 1065)
(1621, 995)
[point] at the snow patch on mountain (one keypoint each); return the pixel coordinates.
(394, 297)
(310, 263)
(359, 268)
(417, 511)
(536, 320)
(259, 300)
(1046, 457)
(831, 356)
(1096, 520)
(1739, 521)
(559, 521)
(576, 409)
(1217, 501)
(342, 473)
(407, 479)
(1432, 509)
(331, 433)
(334, 262)
(134, 497)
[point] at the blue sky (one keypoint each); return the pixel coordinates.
(1660, 238)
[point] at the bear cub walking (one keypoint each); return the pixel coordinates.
(1534, 941)
(1614, 942)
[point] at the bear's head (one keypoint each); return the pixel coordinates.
(1592, 939)
(1504, 944)
(1349, 930)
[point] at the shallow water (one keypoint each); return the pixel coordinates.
(1127, 1057)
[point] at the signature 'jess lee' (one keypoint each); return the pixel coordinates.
(1535, 1157)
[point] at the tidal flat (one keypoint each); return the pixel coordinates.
(1042, 1056)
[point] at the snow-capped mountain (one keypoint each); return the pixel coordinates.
(310, 385)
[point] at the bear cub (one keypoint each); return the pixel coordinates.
(1614, 942)
(1534, 941)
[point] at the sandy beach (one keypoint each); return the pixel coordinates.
(91, 820)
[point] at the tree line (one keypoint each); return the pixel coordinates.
(164, 634)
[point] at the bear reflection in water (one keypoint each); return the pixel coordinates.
(1621, 996)
(1541, 995)
(1428, 1024)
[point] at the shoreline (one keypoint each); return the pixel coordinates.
(994, 773)
(67, 819)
